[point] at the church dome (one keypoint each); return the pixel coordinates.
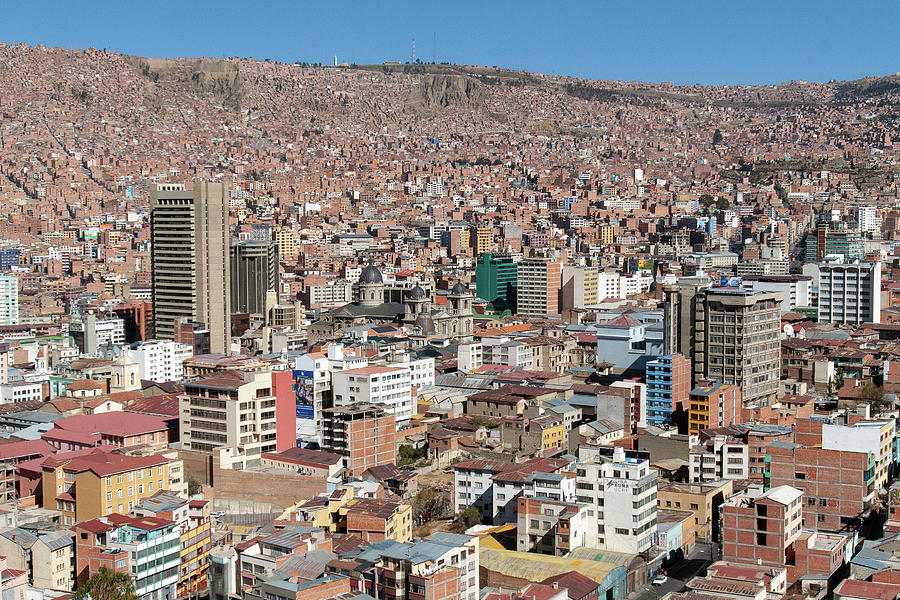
(417, 293)
(371, 274)
(459, 289)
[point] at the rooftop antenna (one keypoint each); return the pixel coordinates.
(413, 59)
(434, 48)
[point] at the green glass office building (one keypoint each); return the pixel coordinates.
(496, 279)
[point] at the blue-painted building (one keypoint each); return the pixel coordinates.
(8, 258)
(668, 383)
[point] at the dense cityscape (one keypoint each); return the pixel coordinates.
(432, 331)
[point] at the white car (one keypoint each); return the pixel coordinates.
(659, 580)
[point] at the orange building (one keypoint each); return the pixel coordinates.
(717, 405)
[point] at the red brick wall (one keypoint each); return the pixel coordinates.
(89, 558)
(371, 442)
(369, 528)
(831, 476)
(808, 432)
(739, 540)
(887, 576)
(325, 591)
(681, 381)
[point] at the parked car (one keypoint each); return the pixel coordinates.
(659, 580)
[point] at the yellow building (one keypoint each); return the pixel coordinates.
(319, 511)
(284, 237)
(372, 519)
(376, 519)
(95, 485)
(607, 233)
(464, 238)
(483, 240)
(591, 286)
(553, 436)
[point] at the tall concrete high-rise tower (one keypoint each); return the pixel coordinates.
(737, 340)
(254, 271)
(190, 260)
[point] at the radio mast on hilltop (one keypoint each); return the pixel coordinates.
(413, 58)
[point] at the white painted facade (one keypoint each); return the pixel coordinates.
(162, 360)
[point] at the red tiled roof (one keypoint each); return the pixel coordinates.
(64, 404)
(95, 526)
(164, 405)
(853, 588)
(85, 384)
(578, 585)
(104, 464)
(77, 437)
(119, 424)
(25, 448)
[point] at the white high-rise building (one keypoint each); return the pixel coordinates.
(9, 300)
(868, 219)
(796, 289)
(622, 488)
(850, 292)
(385, 386)
(162, 360)
(609, 285)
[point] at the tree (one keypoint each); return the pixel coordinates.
(409, 454)
(722, 203)
(717, 137)
(706, 200)
(194, 486)
(108, 585)
(874, 395)
(838, 379)
(431, 504)
(466, 519)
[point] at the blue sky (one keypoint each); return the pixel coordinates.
(723, 41)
